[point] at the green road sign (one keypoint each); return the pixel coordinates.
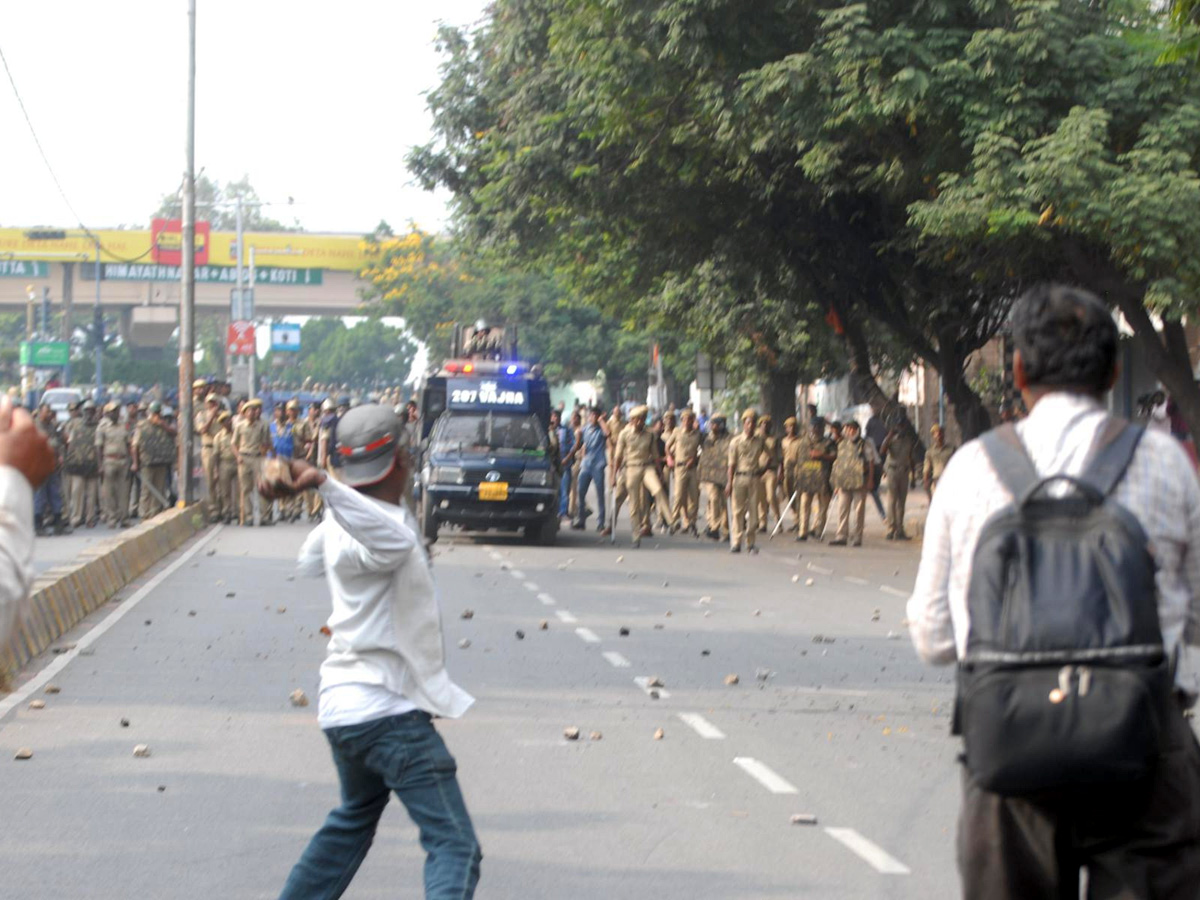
(204, 274)
(45, 353)
(23, 268)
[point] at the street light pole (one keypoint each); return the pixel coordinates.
(187, 312)
(98, 328)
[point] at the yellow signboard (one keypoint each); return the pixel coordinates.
(276, 249)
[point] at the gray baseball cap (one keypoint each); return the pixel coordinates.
(365, 442)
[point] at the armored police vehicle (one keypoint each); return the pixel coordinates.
(486, 462)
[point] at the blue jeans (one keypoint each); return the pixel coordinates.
(404, 754)
(564, 491)
(586, 478)
(48, 497)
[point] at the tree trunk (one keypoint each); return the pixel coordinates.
(863, 386)
(969, 411)
(1167, 357)
(778, 395)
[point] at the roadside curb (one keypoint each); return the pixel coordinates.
(62, 596)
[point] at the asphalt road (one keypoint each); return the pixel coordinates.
(832, 717)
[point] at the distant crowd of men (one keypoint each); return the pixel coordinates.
(663, 466)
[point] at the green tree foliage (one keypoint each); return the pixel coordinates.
(744, 174)
(433, 283)
(215, 204)
(370, 353)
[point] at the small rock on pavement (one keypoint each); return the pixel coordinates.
(211, 553)
(620, 559)
(893, 635)
(667, 614)
(659, 734)
(875, 616)
(124, 723)
(53, 689)
(326, 631)
(298, 698)
(705, 601)
(231, 593)
(162, 788)
(191, 612)
(464, 644)
(149, 621)
(623, 631)
(658, 626)
(595, 736)
(37, 704)
(520, 635)
(141, 750)
(809, 582)
(795, 579)
(467, 614)
(758, 612)
(544, 625)
(654, 695)
(571, 733)
(666, 584)
(804, 819)
(281, 609)
(23, 753)
(731, 679)
(763, 674)
(705, 652)
(655, 681)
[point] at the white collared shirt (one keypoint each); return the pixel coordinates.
(1159, 487)
(16, 547)
(386, 625)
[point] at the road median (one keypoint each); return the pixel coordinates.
(63, 595)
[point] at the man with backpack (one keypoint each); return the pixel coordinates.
(1061, 570)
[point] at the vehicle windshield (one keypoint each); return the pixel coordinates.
(490, 431)
(60, 396)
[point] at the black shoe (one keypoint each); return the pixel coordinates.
(801, 538)
(890, 536)
(637, 542)
(578, 526)
(903, 537)
(753, 551)
(736, 548)
(837, 542)
(856, 543)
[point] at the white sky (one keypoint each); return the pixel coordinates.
(314, 100)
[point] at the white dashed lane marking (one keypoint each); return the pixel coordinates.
(530, 586)
(895, 592)
(643, 681)
(764, 775)
(820, 570)
(874, 855)
(517, 574)
(565, 616)
(588, 635)
(546, 599)
(616, 660)
(854, 579)
(702, 726)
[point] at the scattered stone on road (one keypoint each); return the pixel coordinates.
(141, 750)
(809, 582)
(53, 689)
(23, 753)
(37, 704)
(467, 614)
(758, 612)
(161, 788)
(464, 644)
(544, 625)
(659, 734)
(520, 635)
(705, 601)
(571, 733)
(763, 674)
(231, 593)
(281, 609)
(623, 631)
(705, 652)
(595, 735)
(655, 681)
(875, 615)
(211, 553)
(795, 579)
(620, 559)
(298, 698)
(325, 631)
(654, 695)
(804, 819)
(191, 612)
(731, 679)
(62, 648)
(124, 723)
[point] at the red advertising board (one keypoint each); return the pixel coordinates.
(166, 236)
(240, 340)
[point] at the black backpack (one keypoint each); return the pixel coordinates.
(1065, 682)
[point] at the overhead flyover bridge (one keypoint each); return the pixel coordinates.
(295, 273)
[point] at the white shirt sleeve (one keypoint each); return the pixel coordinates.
(930, 622)
(16, 546)
(311, 561)
(381, 539)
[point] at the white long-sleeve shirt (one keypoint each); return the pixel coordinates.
(16, 547)
(386, 625)
(1159, 488)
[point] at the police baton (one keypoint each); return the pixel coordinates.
(783, 514)
(153, 490)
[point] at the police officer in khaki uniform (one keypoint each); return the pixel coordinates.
(306, 433)
(768, 482)
(251, 442)
(790, 446)
(936, 458)
(714, 475)
(153, 452)
(206, 427)
(745, 470)
(112, 447)
(83, 467)
(818, 455)
(615, 427)
(224, 493)
(898, 451)
(683, 457)
(638, 457)
(853, 474)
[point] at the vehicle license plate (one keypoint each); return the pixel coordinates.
(493, 491)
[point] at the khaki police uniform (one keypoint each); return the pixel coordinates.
(636, 456)
(714, 475)
(155, 452)
(250, 443)
(83, 471)
(206, 427)
(306, 434)
(789, 454)
(814, 480)
(684, 452)
(850, 480)
(615, 430)
(225, 502)
(112, 448)
(936, 459)
(898, 465)
(768, 482)
(745, 458)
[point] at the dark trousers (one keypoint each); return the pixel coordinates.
(1136, 841)
(404, 754)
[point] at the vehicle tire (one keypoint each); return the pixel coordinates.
(547, 532)
(429, 523)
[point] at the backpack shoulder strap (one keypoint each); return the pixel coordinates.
(1010, 460)
(1113, 452)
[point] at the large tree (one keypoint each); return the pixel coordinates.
(216, 204)
(370, 353)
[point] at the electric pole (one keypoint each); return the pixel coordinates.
(187, 301)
